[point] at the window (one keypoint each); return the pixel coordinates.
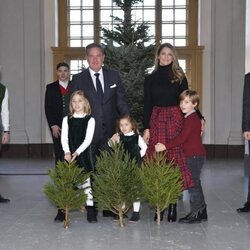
(173, 21)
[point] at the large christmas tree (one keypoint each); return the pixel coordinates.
(127, 53)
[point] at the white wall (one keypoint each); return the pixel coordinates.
(222, 32)
(27, 31)
(26, 65)
(247, 36)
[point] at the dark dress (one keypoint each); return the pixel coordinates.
(76, 135)
(130, 145)
(163, 116)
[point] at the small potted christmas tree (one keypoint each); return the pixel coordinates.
(161, 182)
(116, 182)
(63, 189)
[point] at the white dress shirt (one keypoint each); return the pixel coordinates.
(5, 112)
(101, 78)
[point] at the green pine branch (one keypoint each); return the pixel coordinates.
(116, 182)
(161, 182)
(63, 189)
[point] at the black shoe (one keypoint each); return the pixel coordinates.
(203, 214)
(60, 217)
(172, 213)
(161, 215)
(107, 213)
(91, 214)
(195, 217)
(245, 208)
(191, 218)
(3, 200)
(135, 217)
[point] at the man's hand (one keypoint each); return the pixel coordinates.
(56, 131)
(247, 135)
(5, 138)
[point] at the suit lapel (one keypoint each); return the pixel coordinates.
(106, 84)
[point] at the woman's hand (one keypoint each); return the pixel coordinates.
(146, 135)
(160, 147)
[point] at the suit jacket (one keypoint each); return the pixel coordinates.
(114, 101)
(246, 104)
(53, 104)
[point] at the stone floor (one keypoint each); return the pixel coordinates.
(27, 221)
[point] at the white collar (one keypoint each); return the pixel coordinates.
(79, 115)
(64, 84)
(129, 133)
(189, 113)
(92, 72)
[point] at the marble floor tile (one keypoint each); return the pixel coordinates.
(27, 222)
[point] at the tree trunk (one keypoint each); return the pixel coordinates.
(158, 216)
(66, 221)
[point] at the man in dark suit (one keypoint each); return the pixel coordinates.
(56, 107)
(246, 132)
(105, 92)
(107, 106)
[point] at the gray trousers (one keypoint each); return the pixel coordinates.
(197, 200)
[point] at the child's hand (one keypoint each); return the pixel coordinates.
(67, 157)
(115, 138)
(74, 155)
(160, 147)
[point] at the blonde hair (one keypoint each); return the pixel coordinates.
(192, 95)
(178, 73)
(86, 105)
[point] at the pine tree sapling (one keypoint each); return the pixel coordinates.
(161, 182)
(116, 182)
(63, 189)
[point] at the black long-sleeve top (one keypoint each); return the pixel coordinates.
(160, 91)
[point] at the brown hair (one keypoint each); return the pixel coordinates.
(178, 73)
(62, 64)
(192, 95)
(130, 119)
(86, 105)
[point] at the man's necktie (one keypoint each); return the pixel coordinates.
(99, 87)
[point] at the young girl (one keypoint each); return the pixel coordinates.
(133, 143)
(77, 134)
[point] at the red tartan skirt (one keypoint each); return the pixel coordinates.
(165, 124)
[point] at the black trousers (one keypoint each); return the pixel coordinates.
(248, 194)
(58, 151)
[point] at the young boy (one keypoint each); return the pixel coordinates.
(194, 151)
